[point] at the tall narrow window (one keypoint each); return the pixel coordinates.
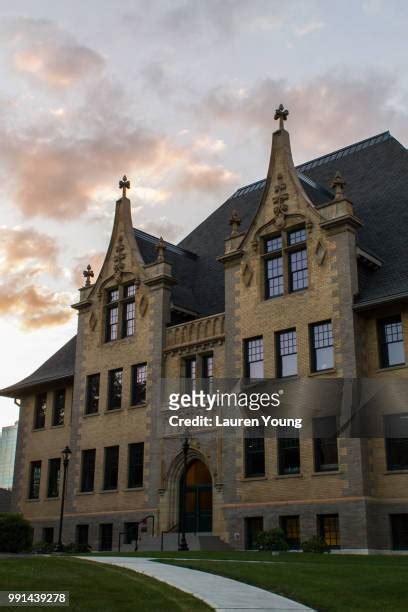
(396, 441)
(286, 345)
(105, 536)
(391, 342)
(40, 409)
(289, 454)
(399, 531)
(325, 444)
(208, 373)
(112, 315)
(92, 393)
(322, 346)
(139, 374)
(115, 389)
(110, 479)
(298, 273)
(328, 525)
(59, 407)
(135, 465)
(88, 470)
(131, 532)
(82, 535)
(48, 535)
(129, 310)
(273, 262)
(254, 360)
(54, 471)
(291, 528)
(35, 478)
(254, 457)
(190, 366)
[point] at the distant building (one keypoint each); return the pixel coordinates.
(8, 441)
(5, 500)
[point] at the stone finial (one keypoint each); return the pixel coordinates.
(282, 114)
(235, 222)
(160, 248)
(338, 183)
(124, 184)
(88, 274)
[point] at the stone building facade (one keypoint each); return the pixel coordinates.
(297, 279)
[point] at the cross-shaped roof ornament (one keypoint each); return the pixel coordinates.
(282, 114)
(124, 184)
(88, 274)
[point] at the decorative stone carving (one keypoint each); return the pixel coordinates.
(320, 252)
(93, 321)
(280, 208)
(143, 305)
(118, 260)
(235, 222)
(88, 274)
(247, 274)
(160, 248)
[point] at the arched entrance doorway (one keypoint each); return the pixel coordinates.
(196, 495)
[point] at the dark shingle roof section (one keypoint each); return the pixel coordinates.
(59, 366)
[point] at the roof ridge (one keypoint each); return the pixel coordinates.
(169, 245)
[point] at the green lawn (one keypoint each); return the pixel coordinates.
(329, 583)
(94, 587)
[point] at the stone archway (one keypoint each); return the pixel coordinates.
(196, 498)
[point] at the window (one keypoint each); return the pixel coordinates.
(290, 526)
(135, 465)
(48, 535)
(254, 457)
(35, 478)
(298, 273)
(54, 472)
(115, 389)
(391, 342)
(208, 373)
(322, 346)
(131, 532)
(273, 262)
(328, 526)
(112, 323)
(139, 373)
(82, 535)
(88, 470)
(287, 353)
(190, 366)
(296, 236)
(110, 479)
(129, 309)
(396, 441)
(92, 394)
(253, 527)
(254, 367)
(325, 444)
(399, 531)
(105, 536)
(59, 407)
(40, 410)
(289, 454)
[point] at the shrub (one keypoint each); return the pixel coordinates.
(316, 544)
(272, 540)
(16, 534)
(43, 548)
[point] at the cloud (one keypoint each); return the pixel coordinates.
(95, 260)
(203, 177)
(22, 247)
(44, 51)
(326, 112)
(209, 145)
(308, 28)
(162, 227)
(34, 306)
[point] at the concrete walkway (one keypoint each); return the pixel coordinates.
(222, 594)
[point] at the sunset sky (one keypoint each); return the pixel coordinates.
(180, 96)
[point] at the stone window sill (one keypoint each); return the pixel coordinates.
(280, 476)
(389, 472)
(86, 415)
(85, 493)
(104, 491)
(251, 478)
(134, 489)
(139, 405)
(57, 426)
(323, 372)
(327, 473)
(113, 410)
(52, 498)
(29, 499)
(401, 366)
(39, 428)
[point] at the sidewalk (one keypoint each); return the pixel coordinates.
(222, 594)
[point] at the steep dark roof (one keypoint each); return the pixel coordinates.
(59, 366)
(376, 173)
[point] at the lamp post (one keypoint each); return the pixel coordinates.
(66, 454)
(183, 542)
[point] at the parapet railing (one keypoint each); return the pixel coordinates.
(207, 329)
